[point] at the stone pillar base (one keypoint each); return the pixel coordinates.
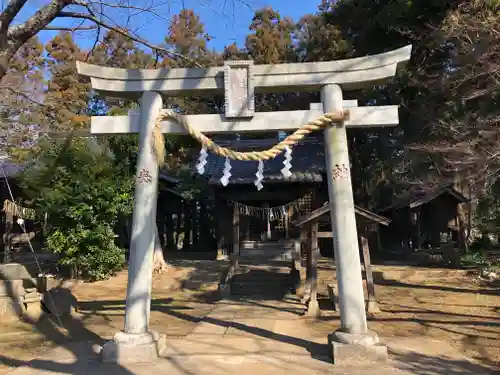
(356, 349)
(313, 310)
(133, 348)
(372, 307)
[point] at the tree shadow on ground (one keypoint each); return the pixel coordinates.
(79, 342)
(422, 364)
(67, 332)
(317, 351)
(198, 273)
(425, 311)
(380, 279)
(85, 357)
(419, 364)
(77, 347)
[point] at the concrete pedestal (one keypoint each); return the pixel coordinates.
(372, 307)
(313, 310)
(133, 348)
(356, 349)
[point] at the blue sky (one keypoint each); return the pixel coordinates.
(225, 20)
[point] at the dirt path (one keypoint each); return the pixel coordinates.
(415, 304)
(436, 304)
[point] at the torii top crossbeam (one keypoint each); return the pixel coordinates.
(239, 80)
(350, 74)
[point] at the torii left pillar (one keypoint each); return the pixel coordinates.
(136, 343)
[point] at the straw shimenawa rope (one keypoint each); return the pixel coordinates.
(317, 124)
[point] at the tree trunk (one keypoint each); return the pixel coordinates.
(12, 37)
(186, 245)
(195, 225)
(7, 238)
(170, 244)
(202, 224)
(160, 266)
(178, 228)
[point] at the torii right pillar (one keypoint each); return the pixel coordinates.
(352, 343)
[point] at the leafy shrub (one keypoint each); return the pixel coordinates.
(473, 259)
(90, 251)
(80, 188)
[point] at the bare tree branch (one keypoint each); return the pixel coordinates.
(9, 13)
(72, 29)
(44, 16)
(127, 34)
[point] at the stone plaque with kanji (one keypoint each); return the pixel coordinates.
(238, 89)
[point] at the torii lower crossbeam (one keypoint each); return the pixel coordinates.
(376, 116)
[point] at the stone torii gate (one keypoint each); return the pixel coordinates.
(240, 80)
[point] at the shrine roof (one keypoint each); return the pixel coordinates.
(324, 210)
(308, 162)
(424, 194)
(11, 169)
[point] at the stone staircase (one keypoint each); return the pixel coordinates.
(262, 270)
(265, 251)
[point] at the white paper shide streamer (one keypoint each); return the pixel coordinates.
(202, 161)
(226, 173)
(287, 163)
(259, 175)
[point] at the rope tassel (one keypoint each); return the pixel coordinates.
(158, 144)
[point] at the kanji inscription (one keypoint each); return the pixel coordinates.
(238, 89)
(341, 172)
(144, 176)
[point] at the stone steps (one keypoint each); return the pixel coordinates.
(269, 250)
(262, 272)
(287, 244)
(271, 284)
(262, 290)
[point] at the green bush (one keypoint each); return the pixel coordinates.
(84, 194)
(473, 259)
(90, 251)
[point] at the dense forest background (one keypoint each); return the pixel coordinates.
(449, 97)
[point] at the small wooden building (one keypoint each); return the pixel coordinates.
(317, 224)
(368, 224)
(423, 218)
(246, 214)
